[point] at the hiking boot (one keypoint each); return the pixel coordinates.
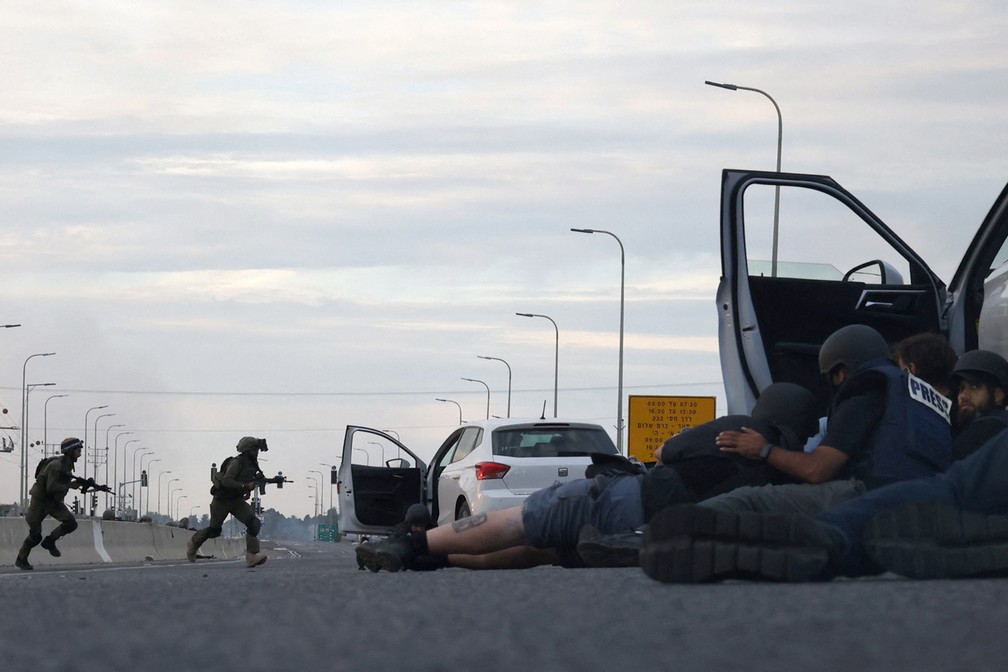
(394, 554)
(191, 550)
(609, 550)
(22, 563)
(935, 541)
(255, 559)
(692, 544)
(366, 556)
(50, 545)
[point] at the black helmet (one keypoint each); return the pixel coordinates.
(417, 514)
(852, 346)
(70, 444)
(975, 365)
(251, 443)
(788, 405)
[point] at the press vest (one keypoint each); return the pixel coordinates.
(913, 439)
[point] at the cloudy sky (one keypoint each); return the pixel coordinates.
(280, 218)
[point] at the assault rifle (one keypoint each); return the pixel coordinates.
(260, 480)
(89, 485)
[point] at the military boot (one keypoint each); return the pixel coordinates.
(254, 559)
(191, 550)
(22, 563)
(50, 545)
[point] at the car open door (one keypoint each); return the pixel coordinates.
(787, 284)
(375, 486)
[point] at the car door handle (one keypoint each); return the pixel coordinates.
(455, 476)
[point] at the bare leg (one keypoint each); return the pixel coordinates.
(479, 534)
(517, 557)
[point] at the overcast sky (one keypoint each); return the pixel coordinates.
(280, 218)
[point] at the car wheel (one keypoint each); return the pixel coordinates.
(462, 510)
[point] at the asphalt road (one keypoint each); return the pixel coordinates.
(310, 608)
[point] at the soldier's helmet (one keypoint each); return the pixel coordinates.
(417, 514)
(788, 405)
(251, 443)
(852, 346)
(976, 365)
(70, 444)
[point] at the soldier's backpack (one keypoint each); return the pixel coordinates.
(43, 462)
(217, 475)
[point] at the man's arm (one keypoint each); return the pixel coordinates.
(818, 466)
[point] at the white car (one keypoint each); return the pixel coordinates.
(481, 466)
(829, 262)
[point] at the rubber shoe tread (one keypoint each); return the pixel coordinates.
(692, 544)
(934, 541)
(608, 550)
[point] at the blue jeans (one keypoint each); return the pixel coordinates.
(554, 516)
(977, 483)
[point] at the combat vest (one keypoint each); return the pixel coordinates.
(913, 439)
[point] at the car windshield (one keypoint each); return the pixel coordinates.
(551, 441)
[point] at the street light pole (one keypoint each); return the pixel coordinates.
(473, 380)
(556, 356)
(622, 288)
(452, 401)
(137, 452)
(115, 465)
(170, 491)
(780, 138)
(149, 465)
(498, 359)
(86, 413)
(45, 423)
(24, 426)
(160, 474)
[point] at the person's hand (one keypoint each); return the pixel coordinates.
(746, 443)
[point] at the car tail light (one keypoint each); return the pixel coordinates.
(488, 470)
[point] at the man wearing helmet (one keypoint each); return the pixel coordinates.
(53, 480)
(232, 486)
(617, 499)
(885, 425)
(982, 378)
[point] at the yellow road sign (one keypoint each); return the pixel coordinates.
(653, 420)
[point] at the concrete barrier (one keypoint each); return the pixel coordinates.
(103, 541)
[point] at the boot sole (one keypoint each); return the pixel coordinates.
(691, 544)
(932, 541)
(367, 559)
(597, 550)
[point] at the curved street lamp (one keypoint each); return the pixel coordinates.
(780, 137)
(86, 414)
(45, 422)
(452, 401)
(149, 465)
(473, 380)
(367, 455)
(24, 426)
(556, 356)
(622, 287)
(498, 359)
(160, 474)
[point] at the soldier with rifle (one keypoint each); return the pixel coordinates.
(53, 479)
(233, 483)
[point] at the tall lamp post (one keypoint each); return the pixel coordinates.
(160, 474)
(452, 401)
(171, 491)
(332, 478)
(115, 465)
(381, 448)
(149, 465)
(473, 380)
(24, 426)
(45, 423)
(86, 414)
(622, 287)
(780, 137)
(556, 356)
(498, 359)
(138, 452)
(178, 500)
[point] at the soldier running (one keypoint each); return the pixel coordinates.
(53, 479)
(233, 484)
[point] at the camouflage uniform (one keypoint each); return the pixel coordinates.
(230, 497)
(51, 485)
